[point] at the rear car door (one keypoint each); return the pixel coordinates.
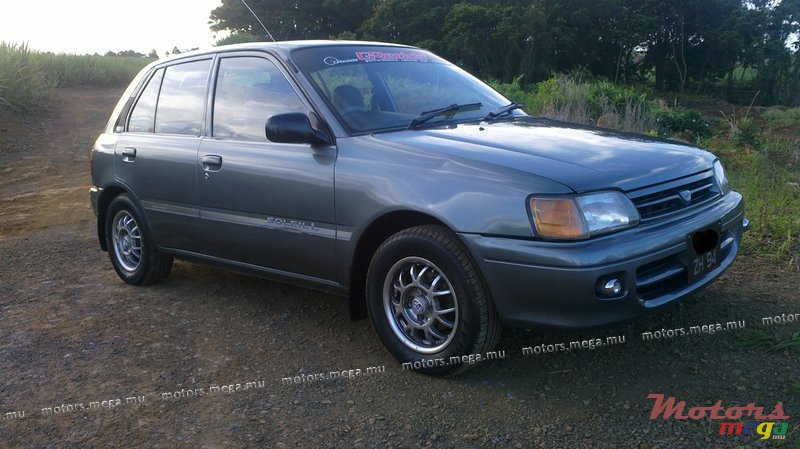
(264, 203)
(156, 156)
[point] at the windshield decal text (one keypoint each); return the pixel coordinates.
(373, 56)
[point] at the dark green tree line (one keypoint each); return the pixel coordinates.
(681, 45)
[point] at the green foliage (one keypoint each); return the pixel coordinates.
(720, 46)
(685, 123)
(570, 98)
(771, 187)
(747, 133)
(791, 342)
(23, 85)
(753, 338)
(27, 76)
(308, 19)
(239, 38)
(778, 117)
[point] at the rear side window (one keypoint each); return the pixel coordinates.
(143, 116)
(249, 90)
(182, 100)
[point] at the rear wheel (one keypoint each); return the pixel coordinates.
(427, 301)
(133, 254)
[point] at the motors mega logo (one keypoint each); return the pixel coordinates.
(773, 425)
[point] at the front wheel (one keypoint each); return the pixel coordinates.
(428, 302)
(133, 254)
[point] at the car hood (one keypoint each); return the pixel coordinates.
(580, 157)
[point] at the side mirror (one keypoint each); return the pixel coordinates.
(295, 128)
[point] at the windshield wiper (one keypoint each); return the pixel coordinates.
(453, 108)
(502, 111)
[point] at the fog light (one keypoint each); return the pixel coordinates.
(610, 287)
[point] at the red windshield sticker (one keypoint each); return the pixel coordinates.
(375, 56)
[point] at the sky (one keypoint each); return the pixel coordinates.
(97, 26)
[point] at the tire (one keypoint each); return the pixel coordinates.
(133, 254)
(427, 301)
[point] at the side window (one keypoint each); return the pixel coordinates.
(182, 99)
(249, 90)
(143, 116)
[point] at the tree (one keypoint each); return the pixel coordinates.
(238, 38)
(412, 22)
(307, 19)
(684, 44)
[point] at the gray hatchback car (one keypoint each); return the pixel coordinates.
(384, 173)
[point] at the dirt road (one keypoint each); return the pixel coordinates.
(72, 336)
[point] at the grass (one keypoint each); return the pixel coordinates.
(782, 117)
(571, 98)
(27, 76)
(753, 338)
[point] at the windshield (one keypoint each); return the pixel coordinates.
(374, 88)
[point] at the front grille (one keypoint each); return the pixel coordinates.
(669, 198)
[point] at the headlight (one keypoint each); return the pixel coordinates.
(722, 180)
(582, 216)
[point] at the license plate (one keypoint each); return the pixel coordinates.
(703, 254)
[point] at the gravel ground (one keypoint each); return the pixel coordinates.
(72, 333)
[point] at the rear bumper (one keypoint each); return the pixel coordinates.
(554, 284)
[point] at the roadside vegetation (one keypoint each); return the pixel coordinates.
(27, 77)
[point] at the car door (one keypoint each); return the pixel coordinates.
(156, 156)
(264, 203)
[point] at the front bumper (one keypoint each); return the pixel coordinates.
(554, 283)
(94, 198)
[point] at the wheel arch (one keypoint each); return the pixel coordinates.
(107, 195)
(370, 239)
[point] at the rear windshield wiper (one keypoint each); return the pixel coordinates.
(502, 110)
(453, 108)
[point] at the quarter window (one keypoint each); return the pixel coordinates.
(143, 116)
(249, 90)
(182, 100)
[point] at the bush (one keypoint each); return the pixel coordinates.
(684, 123)
(789, 117)
(238, 38)
(570, 98)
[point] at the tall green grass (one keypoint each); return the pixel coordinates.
(27, 77)
(572, 98)
(772, 203)
(576, 99)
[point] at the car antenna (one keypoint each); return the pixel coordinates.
(259, 21)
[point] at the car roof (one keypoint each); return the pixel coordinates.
(282, 48)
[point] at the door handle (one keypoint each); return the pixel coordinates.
(128, 154)
(212, 162)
